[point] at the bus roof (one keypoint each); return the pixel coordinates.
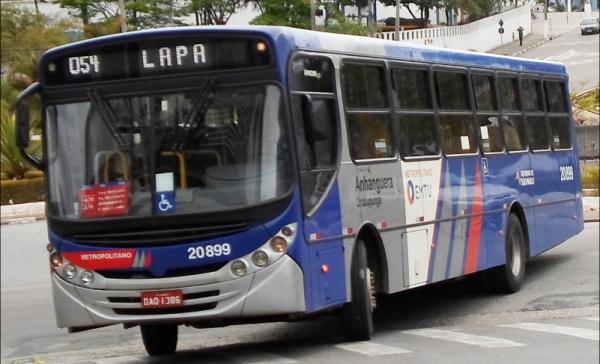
(288, 39)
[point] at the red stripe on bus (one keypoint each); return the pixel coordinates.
(107, 259)
(475, 226)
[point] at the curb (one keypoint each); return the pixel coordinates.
(550, 37)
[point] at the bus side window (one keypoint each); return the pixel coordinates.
(417, 126)
(537, 130)
(509, 94)
(512, 117)
(487, 113)
(367, 111)
(558, 119)
(458, 134)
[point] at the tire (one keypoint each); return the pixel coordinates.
(509, 277)
(358, 314)
(159, 339)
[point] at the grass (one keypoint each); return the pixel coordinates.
(590, 102)
(590, 177)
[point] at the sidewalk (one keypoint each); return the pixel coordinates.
(556, 27)
(29, 212)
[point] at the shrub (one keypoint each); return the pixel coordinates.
(590, 177)
(21, 190)
(13, 164)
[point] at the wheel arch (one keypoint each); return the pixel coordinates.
(376, 256)
(517, 209)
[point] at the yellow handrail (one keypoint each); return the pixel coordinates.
(182, 166)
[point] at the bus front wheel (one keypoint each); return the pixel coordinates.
(509, 277)
(358, 314)
(159, 339)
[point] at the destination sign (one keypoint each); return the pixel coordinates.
(145, 58)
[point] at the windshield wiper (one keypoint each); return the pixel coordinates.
(199, 108)
(108, 118)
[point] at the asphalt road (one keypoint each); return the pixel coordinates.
(553, 319)
(580, 54)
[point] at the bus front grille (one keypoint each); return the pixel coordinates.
(176, 272)
(149, 238)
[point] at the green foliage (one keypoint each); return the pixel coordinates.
(346, 27)
(87, 9)
(209, 12)
(293, 13)
(590, 177)
(144, 14)
(13, 166)
(589, 102)
(24, 37)
(21, 191)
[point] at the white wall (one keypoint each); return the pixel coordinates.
(481, 35)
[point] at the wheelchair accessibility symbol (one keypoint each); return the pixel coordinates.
(164, 202)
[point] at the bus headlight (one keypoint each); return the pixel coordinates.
(69, 270)
(86, 277)
(260, 258)
(278, 244)
(56, 260)
(238, 268)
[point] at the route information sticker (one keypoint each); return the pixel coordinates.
(104, 200)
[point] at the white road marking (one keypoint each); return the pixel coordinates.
(556, 329)
(258, 357)
(475, 340)
(371, 349)
(593, 318)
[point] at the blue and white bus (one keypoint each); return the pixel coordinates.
(213, 176)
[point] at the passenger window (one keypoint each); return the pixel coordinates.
(559, 130)
(412, 88)
(418, 136)
(370, 136)
(457, 134)
(509, 93)
(537, 132)
(312, 73)
(555, 96)
(532, 101)
(514, 133)
(364, 86)
(451, 90)
(315, 127)
(483, 89)
(491, 133)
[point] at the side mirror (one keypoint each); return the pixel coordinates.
(22, 129)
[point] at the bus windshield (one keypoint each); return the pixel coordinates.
(212, 148)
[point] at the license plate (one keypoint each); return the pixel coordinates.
(162, 299)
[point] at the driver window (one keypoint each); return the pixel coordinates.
(316, 140)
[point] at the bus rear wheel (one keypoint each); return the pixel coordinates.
(509, 277)
(159, 339)
(358, 314)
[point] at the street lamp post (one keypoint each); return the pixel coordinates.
(397, 24)
(123, 16)
(545, 19)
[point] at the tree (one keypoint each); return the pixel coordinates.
(23, 40)
(209, 12)
(294, 13)
(88, 9)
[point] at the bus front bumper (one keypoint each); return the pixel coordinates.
(275, 290)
